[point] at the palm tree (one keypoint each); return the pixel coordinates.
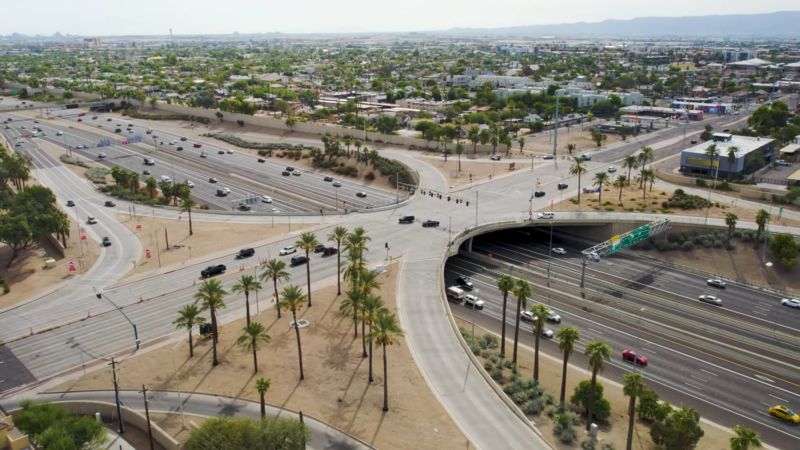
(651, 177)
(368, 280)
(274, 271)
(186, 205)
(293, 299)
(733, 153)
(631, 163)
(578, 169)
(646, 155)
(685, 421)
(644, 176)
(370, 309)
(745, 439)
(598, 353)
(307, 242)
(521, 142)
(505, 284)
(567, 337)
(384, 333)
(601, 181)
(247, 284)
(762, 217)
(730, 221)
(711, 152)
(474, 136)
(262, 386)
(189, 317)
(211, 295)
(540, 313)
(337, 235)
(621, 182)
(459, 152)
(633, 387)
(150, 183)
(523, 291)
(253, 333)
(350, 306)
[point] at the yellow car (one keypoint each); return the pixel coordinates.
(784, 413)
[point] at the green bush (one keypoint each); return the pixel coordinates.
(496, 373)
(239, 142)
(520, 397)
(74, 161)
(490, 341)
(588, 443)
(687, 246)
(610, 209)
(601, 408)
(533, 407)
(488, 365)
(97, 175)
(6, 287)
(508, 363)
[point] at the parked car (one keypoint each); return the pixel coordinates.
(297, 260)
(713, 299)
(633, 356)
(716, 283)
(287, 250)
(106, 241)
(430, 223)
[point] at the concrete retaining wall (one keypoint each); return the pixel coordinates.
(108, 412)
(50, 90)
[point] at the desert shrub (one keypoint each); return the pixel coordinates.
(349, 171)
(476, 350)
(520, 397)
(488, 366)
(687, 246)
(588, 443)
(610, 209)
(465, 333)
(239, 142)
(548, 399)
(490, 341)
(97, 175)
(240, 123)
(6, 287)
(533, 407)
(607, 446)
(508, 363)
(73, 161)
(494, 359)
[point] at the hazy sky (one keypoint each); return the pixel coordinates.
(148, 17)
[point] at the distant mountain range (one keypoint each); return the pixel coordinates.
(778, 24)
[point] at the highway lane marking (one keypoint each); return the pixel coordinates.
(763, 378)
(696, 378)
(710, 373)
(649, 351)
(756, 312)
(684, 324)
(598, 332)
(783, 400)
(691, 385)
(767, 404)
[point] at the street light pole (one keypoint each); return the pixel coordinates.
(178, 384)
(100, 295)
(638, 336)
(473, 317)
(550, 253)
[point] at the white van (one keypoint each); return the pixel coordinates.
(455, 294)
(545, 215)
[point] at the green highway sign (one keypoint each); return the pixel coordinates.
(637, 235)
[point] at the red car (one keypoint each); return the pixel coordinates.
(198, 145)
(634, 357)
(81, 114)
(146, 172)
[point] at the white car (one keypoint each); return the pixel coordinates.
(229, 151)
(91, 220)
(791, 302)
(529, 317)
(495, 158)
(546, 215)
(560, 251)
(612, 169)
(289, 249)
(547, 332)
(172, 142)
(58, 133)
(470, 300)
(274, 210)
(189, 183)
(714, 300)
(716, 283)
(101, 155)
(266, 199)
(227, 191)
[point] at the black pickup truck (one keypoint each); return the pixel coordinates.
(213, 270)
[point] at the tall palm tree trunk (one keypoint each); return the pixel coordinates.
(631, 408)
(370, 356)
(299, 348)
(247, 305)
(564, 378)
(191, 344)
(191, 232)
(536, 357)
(363, 340)
(255, 357)
(263, 407)
(214, 338)
(516, 333)
(277, 302)
(591, 401)
(338, 266)
(579, 188)
(308, 278)
(385, 382)
(503, 335)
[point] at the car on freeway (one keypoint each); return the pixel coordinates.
(713, 299)
(184, 139)
(119, 124)
(473, 301)
(146, 172)
(179, 148)
(430, 223)
(716, 283)
(529, 317)
(296, 173)
(110, 203)
(634, 357)
(221, 152)
(337, 184)
(197, 145)
(694, 141)
(547, 157)
(109, 120)
(172, 142)
(261, 160)
(319, 248)
(547, 333)
(406, 219)
(244, 207)
(559, 251)
(289, 168)
(274, 210)
(791, 302)
(150, 131)
(562, 186)
(266, 199)
(330, 251)
(361, 194)
(70, 203)
(23, 127)
(495, 158)
(230, 152)
(106, 241)
(299, 259)
(212, 180)
(59, 133)
(612, 169)
(784, 413)
(327, 179)
(189, 183)
(538, 194)
(286, 173)
(726, 130)
(227, 191)
(213, 270)
(287, 250)
(465, 283)
(204, 154)
(783, 163)
(222, 193)
(91, 220)
(736, 113)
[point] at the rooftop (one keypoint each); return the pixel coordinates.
(746, 144)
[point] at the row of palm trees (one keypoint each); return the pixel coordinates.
(630, 162)
(598, 353)
(360, 304)
(15, 167)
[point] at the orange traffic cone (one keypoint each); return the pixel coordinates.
(88, 314)
(31, 331)
(141, 298)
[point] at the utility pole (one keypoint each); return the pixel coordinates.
(147, 414)
(116, 395)
(555, 135)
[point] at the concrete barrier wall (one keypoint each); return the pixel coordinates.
(108, 412)
(50, 90)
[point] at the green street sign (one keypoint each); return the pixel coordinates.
(637, 235)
